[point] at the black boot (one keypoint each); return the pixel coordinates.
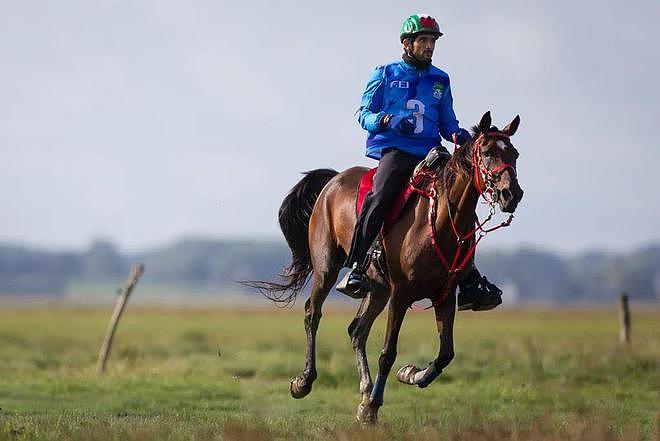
(477, 293)
(356, 283)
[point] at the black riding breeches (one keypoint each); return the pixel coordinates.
(394, 170)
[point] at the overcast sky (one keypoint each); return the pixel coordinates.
(143, 121)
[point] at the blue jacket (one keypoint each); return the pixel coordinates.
(422, 95)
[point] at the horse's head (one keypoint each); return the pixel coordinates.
(494, 162)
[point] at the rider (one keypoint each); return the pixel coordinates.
(405, 108)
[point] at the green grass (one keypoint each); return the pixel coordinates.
(223, 374)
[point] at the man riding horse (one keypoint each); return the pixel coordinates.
(406, 107)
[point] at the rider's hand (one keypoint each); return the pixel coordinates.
(461, 137)
(400, 123)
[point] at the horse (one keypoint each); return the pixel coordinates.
(317, 218)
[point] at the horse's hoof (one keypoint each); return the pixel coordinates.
(299, 387)
(366, 414)
(407, 373)
(421, 377)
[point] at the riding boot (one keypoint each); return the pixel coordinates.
(477, 293)
(356, 283)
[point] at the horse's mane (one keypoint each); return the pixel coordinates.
(460, 162)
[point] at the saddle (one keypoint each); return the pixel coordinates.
(435, 159)
(367, 183)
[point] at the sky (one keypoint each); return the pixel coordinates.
(145, 121)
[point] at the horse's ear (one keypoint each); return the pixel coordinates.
(510, 130)
(484, 124)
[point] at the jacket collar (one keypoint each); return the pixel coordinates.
(412, 69)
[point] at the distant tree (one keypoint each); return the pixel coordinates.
(537, 275)
(103, 260)
(25, 271)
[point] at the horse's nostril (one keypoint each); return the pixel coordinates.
(506, 194)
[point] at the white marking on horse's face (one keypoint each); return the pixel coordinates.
(501, 145)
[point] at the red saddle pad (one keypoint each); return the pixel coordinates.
(366, 184)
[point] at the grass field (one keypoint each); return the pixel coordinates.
(224, 374)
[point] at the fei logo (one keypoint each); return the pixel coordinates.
(399, 84)
(438, 88)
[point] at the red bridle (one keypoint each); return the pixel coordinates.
(488, 176)
(478, 164)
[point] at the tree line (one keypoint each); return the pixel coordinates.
(526, 274)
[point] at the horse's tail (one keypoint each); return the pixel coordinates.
(294, 214)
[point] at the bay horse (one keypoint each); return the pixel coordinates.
(318, 216)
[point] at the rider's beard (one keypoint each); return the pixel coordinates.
(415, 62)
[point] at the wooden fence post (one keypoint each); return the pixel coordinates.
(131, 281)
(624, 320)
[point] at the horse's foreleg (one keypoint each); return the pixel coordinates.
(444, 318)
(372, 305)
(321, 283)
(396, 314)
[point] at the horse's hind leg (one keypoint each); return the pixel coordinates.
(372, 305)
(324, 277)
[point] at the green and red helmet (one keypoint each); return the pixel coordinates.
(418, 24)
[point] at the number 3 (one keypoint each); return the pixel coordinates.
(418, 113)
